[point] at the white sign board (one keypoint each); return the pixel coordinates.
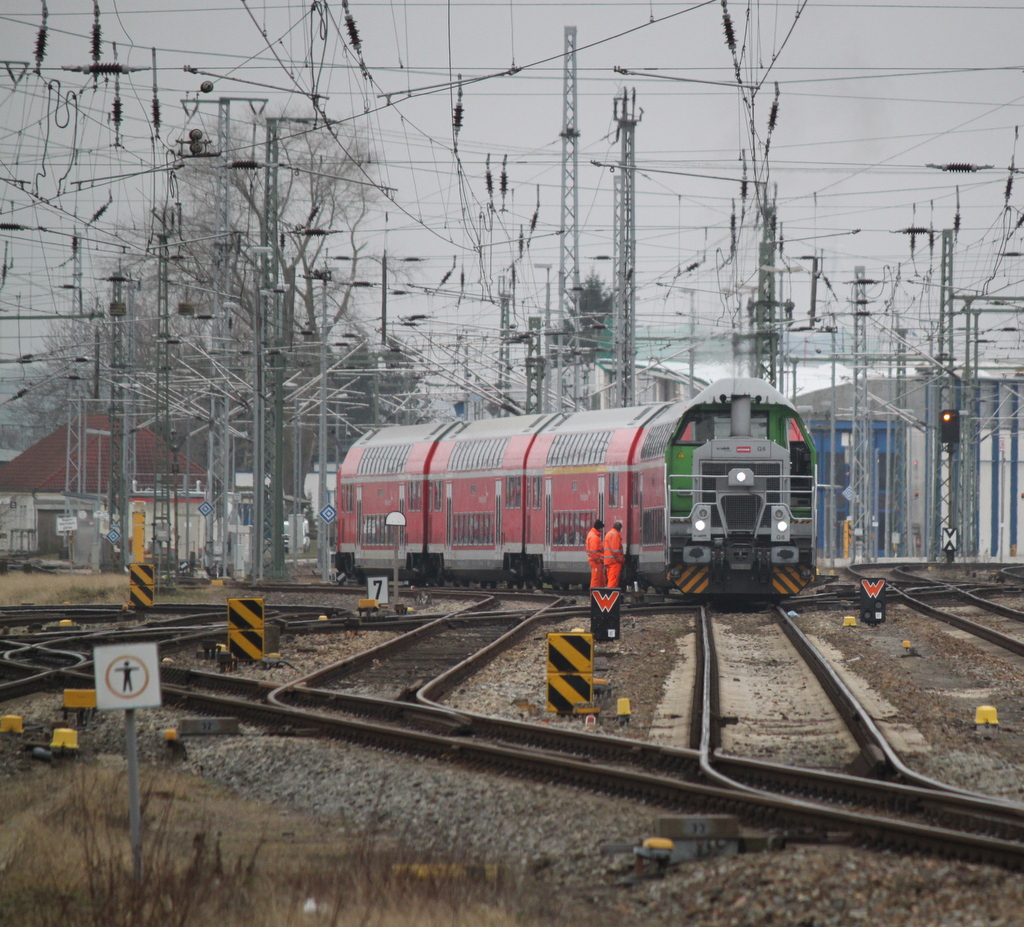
(67, 523)
(127, 676)
(395, 518)
(377, 588)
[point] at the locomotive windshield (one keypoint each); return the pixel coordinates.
(705, 424)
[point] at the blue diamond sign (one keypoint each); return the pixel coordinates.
(328, 513)
(114, 534)
(205, 509)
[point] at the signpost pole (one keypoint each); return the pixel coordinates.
(128, 677)
(396, 521)
(134, 804)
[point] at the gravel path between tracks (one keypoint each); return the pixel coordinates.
(550, 836)
(781, 713)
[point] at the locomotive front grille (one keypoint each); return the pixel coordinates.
(740, 512)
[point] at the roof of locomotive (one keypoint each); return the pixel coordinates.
(760, 391)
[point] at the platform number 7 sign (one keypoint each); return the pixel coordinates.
(377, 588)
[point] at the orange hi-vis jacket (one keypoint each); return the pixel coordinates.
(595, 548)
(613, 548)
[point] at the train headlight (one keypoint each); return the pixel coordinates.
(700, 523)
(741, 476)
(781, 522)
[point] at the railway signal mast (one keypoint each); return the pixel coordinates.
(624, 317)
(569, 237)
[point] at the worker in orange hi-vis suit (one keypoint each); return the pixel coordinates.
(613, 556)
(595, 555)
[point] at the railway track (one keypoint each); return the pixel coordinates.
(970, 827)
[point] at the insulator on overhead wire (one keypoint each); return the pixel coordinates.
(730, 33)
(12, 227)
(462, 280)
(350, 26)
(41, 40)
(533, 220)
(96, 32)
(74, 244)
(156, 115)
(1009, 187)
(244, 164)
(99, 212)
(118, 109)
(451, 270)
(522, 242)
(489, 178)
(732, 231)
(743, 188)
(503, 182)
(692, 266)
(773, 114)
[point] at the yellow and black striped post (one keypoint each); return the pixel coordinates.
(245, 628)
(570, 671)
(141, 582)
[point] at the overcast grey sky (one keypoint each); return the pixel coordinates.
(869, 94)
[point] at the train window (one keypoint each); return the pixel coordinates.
(415, 496)
(613, 490)
(579, 449)
(656, 440)
(379, 461)
(481, 454)
(513, 492)
(375, 531)
(569, 529)
(537, 490)
(707, 424)
(473, 529)
(437, 495)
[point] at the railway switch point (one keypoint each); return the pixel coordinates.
(909, 650)
(658, 849)
(12, 724)
(367, 607)
(82, 702)
(986, 718)
(64, 740)
(623, 710)
(210, 649)
(849, 621)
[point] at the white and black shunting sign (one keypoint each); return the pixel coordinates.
(127, 676)
(949, 539)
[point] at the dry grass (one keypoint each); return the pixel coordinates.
(211, 860)
(57, 588)
(89, 589)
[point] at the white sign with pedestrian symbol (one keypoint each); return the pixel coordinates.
(127, 676)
